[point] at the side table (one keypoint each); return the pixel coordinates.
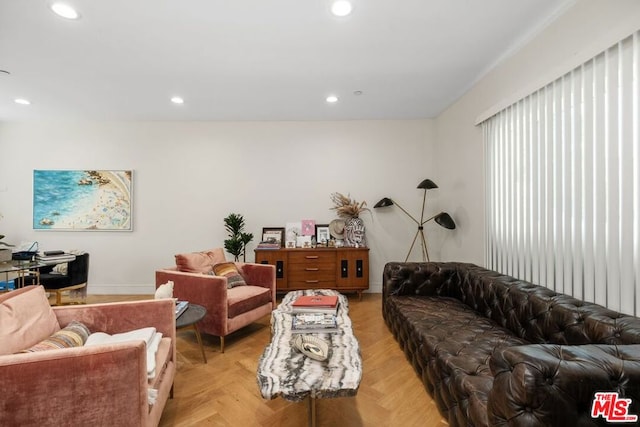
(191, 316)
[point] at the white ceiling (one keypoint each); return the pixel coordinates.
(254, 59)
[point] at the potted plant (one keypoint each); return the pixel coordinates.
(237, 242)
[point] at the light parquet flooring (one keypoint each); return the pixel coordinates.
(224, 392)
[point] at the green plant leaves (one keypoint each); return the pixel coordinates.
(238, 239)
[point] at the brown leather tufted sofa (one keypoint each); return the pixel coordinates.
(496, 351)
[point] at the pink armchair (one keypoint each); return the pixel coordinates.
(227, 309)
(97, 385)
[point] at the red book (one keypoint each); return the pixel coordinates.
(316, 301)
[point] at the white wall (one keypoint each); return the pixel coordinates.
(586, 29)
(189, 175)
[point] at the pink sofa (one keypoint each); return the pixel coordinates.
(99, 385)
(227, 309)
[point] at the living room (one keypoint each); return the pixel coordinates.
(263, 160)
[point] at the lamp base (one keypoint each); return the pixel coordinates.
(423, 244)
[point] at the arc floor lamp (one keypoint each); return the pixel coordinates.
(443, 219)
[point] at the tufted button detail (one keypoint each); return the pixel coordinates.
(456, 344)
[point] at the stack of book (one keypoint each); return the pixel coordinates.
(54, 257)
(269, 244)
(310, 323)
(316, 304)
(315, 314)
(181, 307)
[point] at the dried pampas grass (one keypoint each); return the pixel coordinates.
(346, 207)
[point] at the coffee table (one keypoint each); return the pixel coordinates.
(191, 316)
(283, 371)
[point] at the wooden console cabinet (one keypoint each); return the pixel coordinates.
(342, 269)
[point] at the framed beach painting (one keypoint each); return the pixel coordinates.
(91, 200)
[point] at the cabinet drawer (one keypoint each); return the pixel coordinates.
(312, 283)
(312, 257)
(321, 275)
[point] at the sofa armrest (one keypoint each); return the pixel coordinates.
(202, 289)
(263, 275)
(100, 385)
(118, 317)
(554, 385)
(415, 278)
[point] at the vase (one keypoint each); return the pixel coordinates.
(354, 232)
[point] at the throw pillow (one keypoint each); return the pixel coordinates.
(61, 268)
(230, 271)
(26, 318)
(199, 262)
(75, 334)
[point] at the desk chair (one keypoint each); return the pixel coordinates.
(74, 281)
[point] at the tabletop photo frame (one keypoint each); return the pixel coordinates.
(273, 233)
(322, 234)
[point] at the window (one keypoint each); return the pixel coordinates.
(563, 182)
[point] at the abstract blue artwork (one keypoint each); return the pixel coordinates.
(92, 200)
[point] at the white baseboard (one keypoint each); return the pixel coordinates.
(375, 288)
(121, 289)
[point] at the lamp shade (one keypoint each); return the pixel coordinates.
(445, 220)
(427, 184)
(383, 203)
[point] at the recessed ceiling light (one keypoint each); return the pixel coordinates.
(341, 8)
(22, 101)
(64, 10)
(331, 99)
(177, 100)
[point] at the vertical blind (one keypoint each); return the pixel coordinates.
(563, 182)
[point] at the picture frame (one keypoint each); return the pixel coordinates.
(292, 231)
(322, 234)
(83, 200)
(308, 227)
(276, 233)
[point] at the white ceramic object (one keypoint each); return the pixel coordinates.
(312, 346)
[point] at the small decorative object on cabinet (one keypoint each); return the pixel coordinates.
(322, 234)
(273, 233)
(343, 269)
(350, 210)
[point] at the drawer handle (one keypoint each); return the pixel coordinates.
(311, 269)
(312, 281)
(311, 256)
